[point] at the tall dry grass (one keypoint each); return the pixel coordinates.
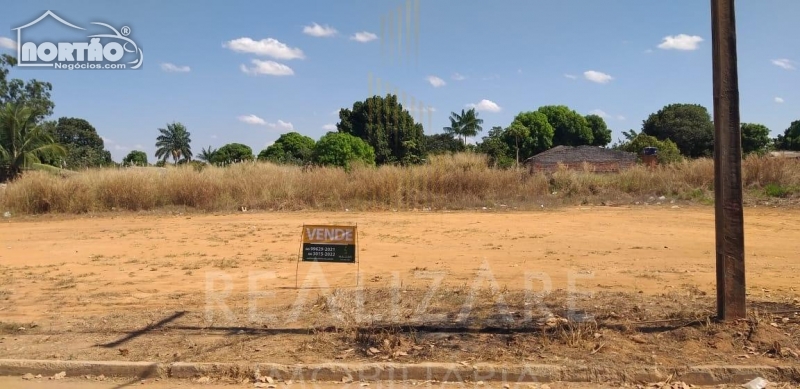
(445, 182)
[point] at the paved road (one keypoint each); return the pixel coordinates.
(74, 383)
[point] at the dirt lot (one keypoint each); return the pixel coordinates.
(17, 383)
(593, 285)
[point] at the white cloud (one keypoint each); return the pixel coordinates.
(605, 115)
(7, 43)
(268, 47)
(319, 31)
(257, 121)
(139, 147)
(363, 37)
(485, 105)
(458, 77)
(168, 67)
(784, 63)
(271, 68)
(282, 125)
(599, 112)
(648, 51)
(598, 77)
(329, 127)
(114, 145)
(680, 42)
(492, 77)
(571, 76)
(252, 119)
(436, 81)
(213, 137)
(779, 100)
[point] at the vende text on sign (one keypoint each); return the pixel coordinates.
(329, 244)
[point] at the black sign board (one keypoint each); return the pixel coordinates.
(329, 244)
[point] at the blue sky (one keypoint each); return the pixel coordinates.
(622, 58)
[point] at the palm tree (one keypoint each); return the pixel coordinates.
(22, 140)
(174, 141)
(465, 124)
(455, 127)
(206, 154)
(470, 123)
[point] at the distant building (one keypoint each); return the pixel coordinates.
(785, 154)
(598, 159)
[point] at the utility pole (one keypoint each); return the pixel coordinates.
(729, 216)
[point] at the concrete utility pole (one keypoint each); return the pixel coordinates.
(727, 164)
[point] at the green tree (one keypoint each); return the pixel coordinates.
(442, 144)
(290, 148)
(206, 155)
(414, 152)
(454, 129)
(343, 150)
(755, 138)
(518, 132)
(630, 134)
(386, 126)
(22, 140)
(464, 125)
(540, 133)
(570, 128)
(85, 148)
(174, 141)
(232, 153)
(600, 132)
(688, 125)
(470, 123)
(33, 93)
(495, 146)
(790, 140)
(667, 150)
(135, 158)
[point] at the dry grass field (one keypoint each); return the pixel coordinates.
(570, 285)
(459, 182)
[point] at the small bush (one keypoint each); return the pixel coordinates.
(775, 190)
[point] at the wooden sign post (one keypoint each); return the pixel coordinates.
(328, 243)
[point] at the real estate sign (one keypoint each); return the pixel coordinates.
(329, 244)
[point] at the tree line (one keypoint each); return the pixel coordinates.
(376, 131)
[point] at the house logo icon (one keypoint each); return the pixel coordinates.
(99, 51)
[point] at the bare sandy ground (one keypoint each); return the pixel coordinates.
(108, 286)
(101, 264)
(17, 383)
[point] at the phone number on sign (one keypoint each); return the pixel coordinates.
(323, 251)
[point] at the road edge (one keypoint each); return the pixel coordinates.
(436, 372)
